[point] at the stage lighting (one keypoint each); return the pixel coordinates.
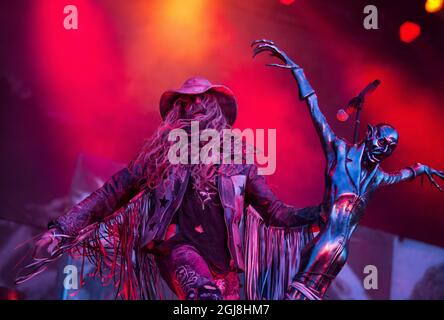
(286, 2)
(433, 6)
(409, 31)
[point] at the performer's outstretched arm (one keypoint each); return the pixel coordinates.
(114, 193)
(410, 173)
(306, 92)
(273, 211)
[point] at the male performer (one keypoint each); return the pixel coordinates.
(191, 219)
(352, 174)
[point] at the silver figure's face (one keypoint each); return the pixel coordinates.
(380, 142)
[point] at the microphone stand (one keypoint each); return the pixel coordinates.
(358, 103)
(358, 118)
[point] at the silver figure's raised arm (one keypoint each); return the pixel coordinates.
(306, 92)
(322, 127)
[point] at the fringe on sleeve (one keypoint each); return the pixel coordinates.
(272, 257)
(113, 246)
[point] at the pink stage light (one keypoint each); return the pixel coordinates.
(286, 2)
(409, 31)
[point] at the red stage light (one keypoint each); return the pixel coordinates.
(286, 2)
(409, 31)
(433, 6)
(342, 116)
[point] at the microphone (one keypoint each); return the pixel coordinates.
(355, 103)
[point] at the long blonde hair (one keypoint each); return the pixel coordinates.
(154, 154)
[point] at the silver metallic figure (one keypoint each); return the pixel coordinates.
(352, 174)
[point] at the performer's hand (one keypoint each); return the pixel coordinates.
(47, 243)
(268, 45)
(430, 172)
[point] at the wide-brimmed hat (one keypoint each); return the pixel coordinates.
(199, 85)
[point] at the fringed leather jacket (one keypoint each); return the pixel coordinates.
(240, 187)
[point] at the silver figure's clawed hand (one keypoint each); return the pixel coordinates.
(263, 45)
(430, 172)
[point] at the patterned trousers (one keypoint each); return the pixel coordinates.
(190, 278)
